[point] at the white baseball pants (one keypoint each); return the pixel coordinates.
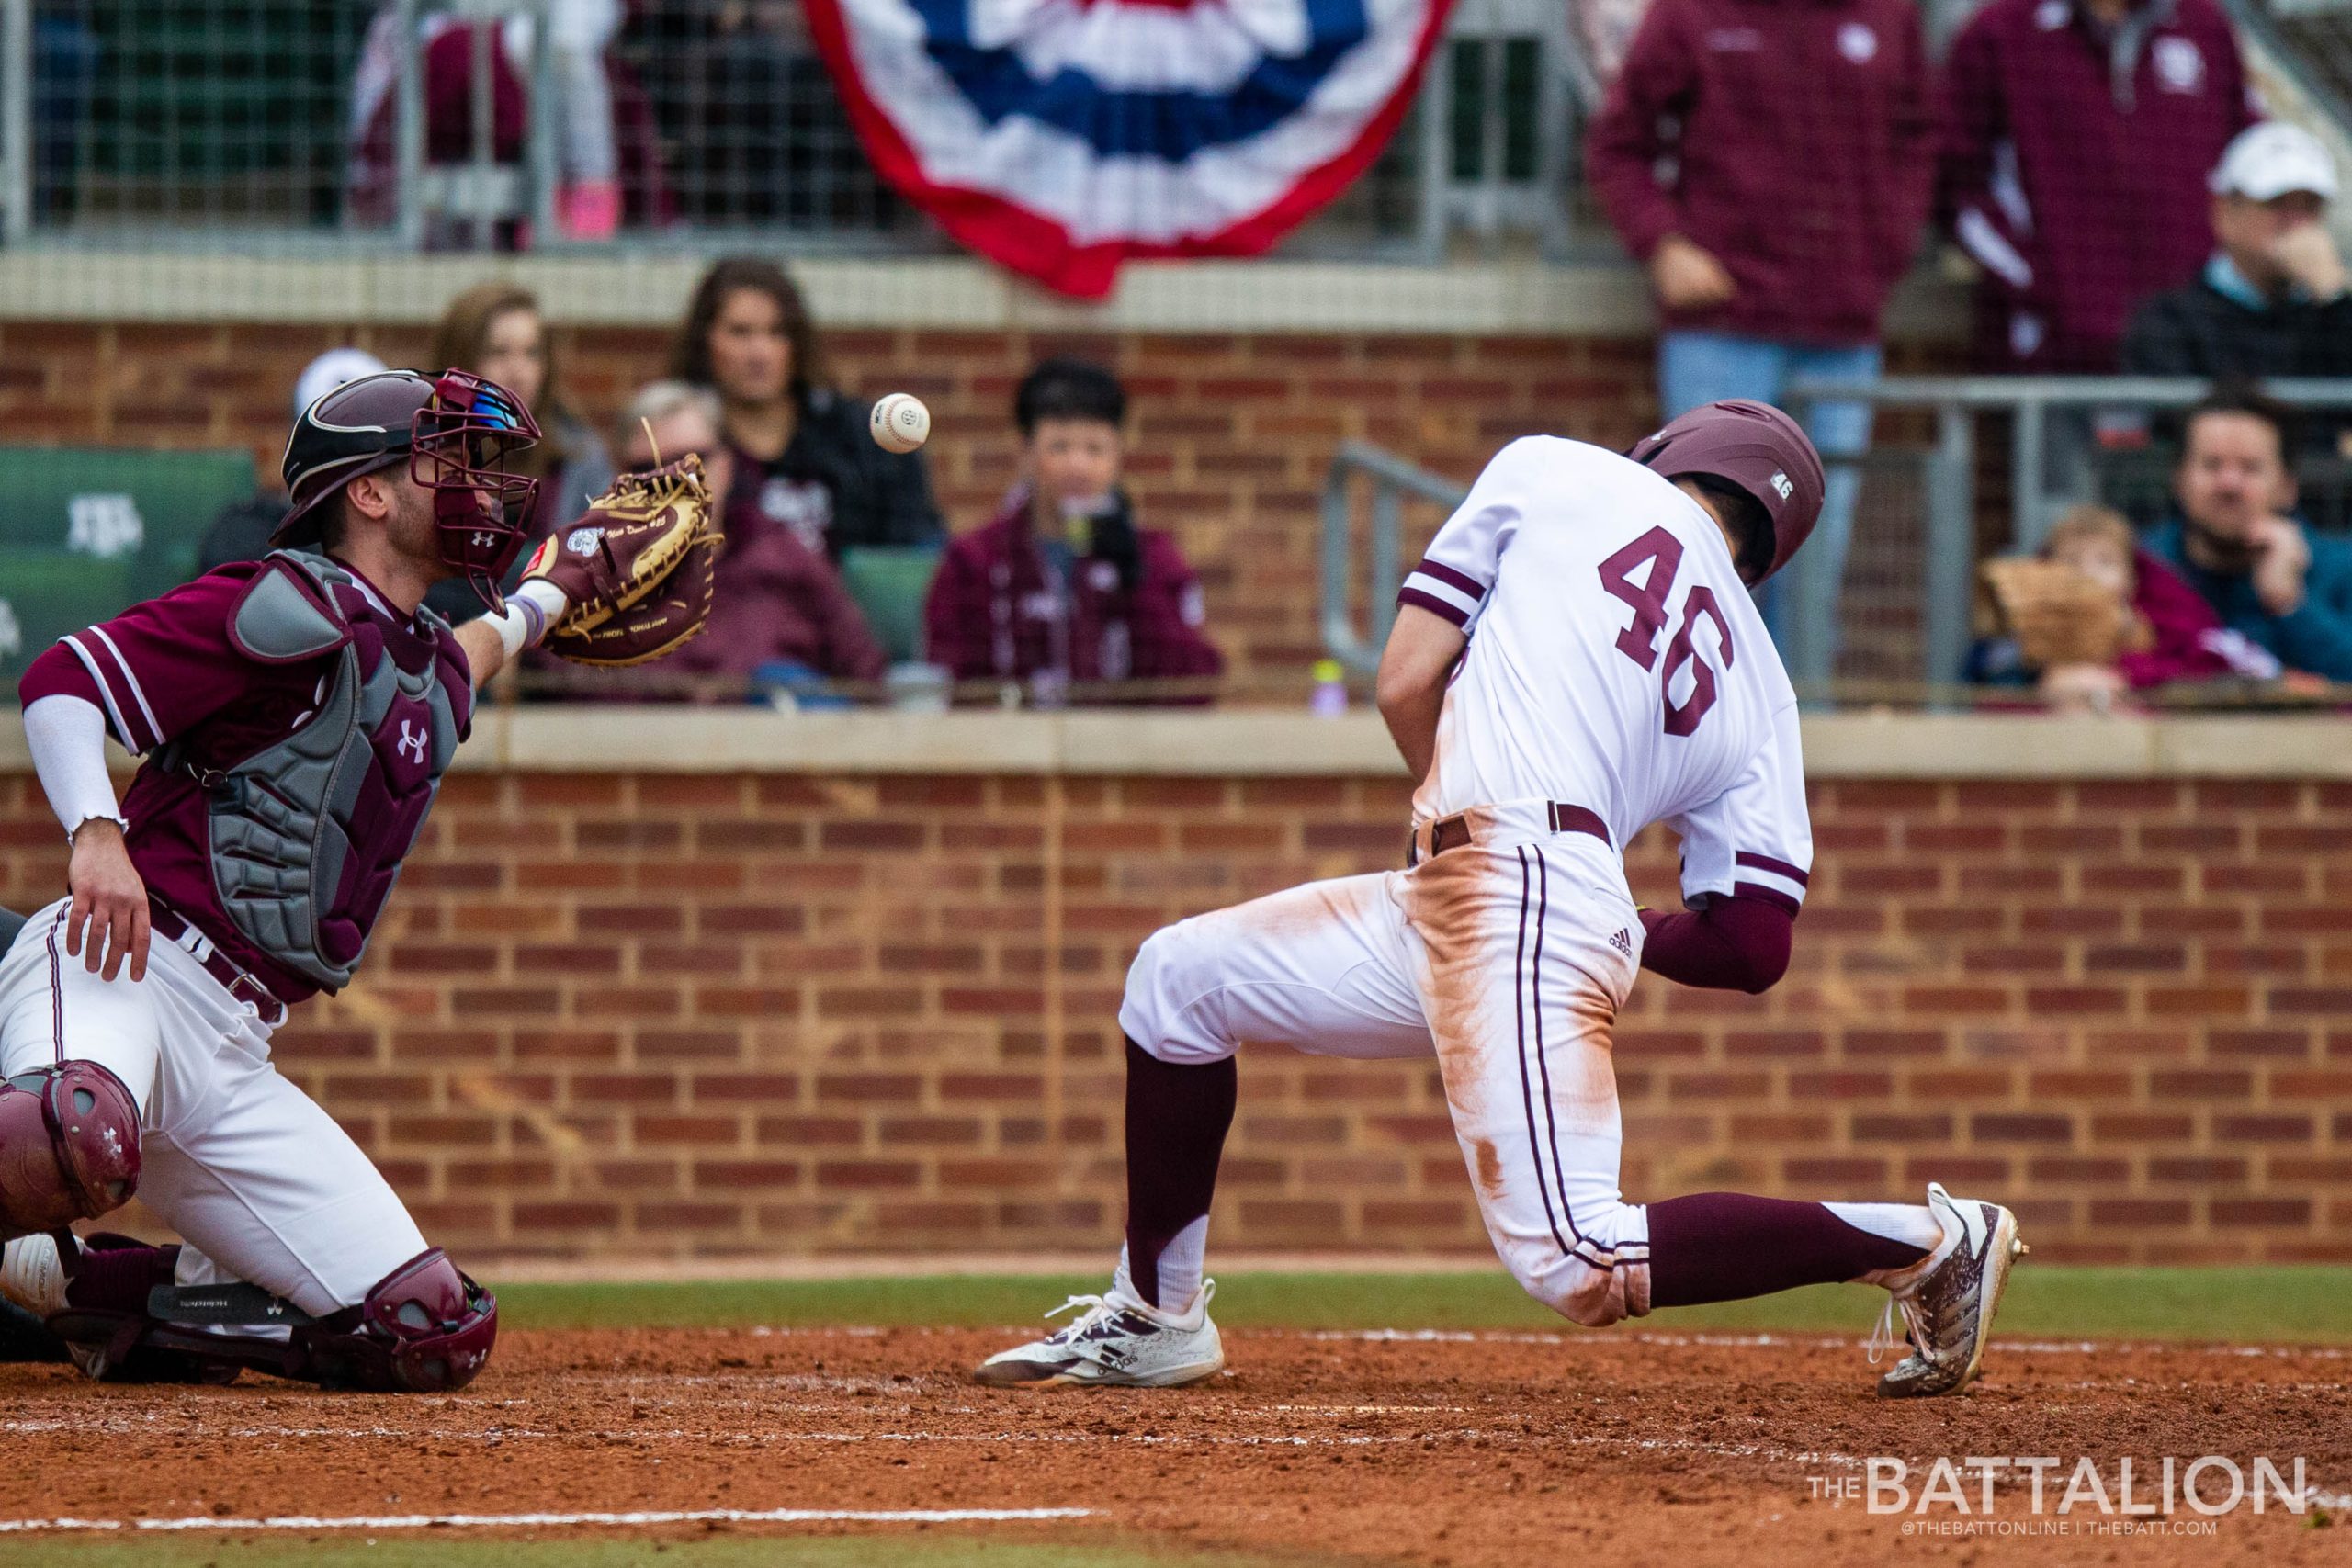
(1507, 960)
(259, 1182)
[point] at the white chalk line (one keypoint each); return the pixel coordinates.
(1770, 1341)
(1604, 1338)
(1769, 1452)
(535, 1522)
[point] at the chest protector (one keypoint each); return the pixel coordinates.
(307, 834)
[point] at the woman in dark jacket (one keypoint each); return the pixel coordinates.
(803, 456)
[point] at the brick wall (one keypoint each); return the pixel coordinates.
(654, 1015)
(1232, 434)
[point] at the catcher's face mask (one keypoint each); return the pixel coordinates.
(462, 442)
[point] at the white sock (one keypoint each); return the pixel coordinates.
(1181, 1262)
(1913, 1223)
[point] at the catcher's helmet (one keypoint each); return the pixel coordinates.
(454, 431)
(1755, 448)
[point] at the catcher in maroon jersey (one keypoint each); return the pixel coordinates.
(295, 715)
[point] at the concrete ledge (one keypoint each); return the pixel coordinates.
(1259, 743)
(1604, 300)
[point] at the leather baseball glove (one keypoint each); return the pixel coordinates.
(639, 568)
(2057, 615)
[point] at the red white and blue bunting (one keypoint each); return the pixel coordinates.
(1062, 137)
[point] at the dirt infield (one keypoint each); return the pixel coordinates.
(1489, 1448)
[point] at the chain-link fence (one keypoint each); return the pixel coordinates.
(502, 124)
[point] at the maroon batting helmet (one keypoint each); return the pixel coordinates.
(1756, 449)
(455, 431)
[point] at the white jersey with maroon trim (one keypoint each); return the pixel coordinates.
(1617, 664)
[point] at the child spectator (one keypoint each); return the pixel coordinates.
(1062, 586)
(2101, 616)
(803, 455)
(2234, 539)
(782, 615)
(494, 329)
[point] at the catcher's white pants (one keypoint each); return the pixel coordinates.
(258, 1182)
(1507, 960)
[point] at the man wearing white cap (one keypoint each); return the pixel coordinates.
(2272, 300)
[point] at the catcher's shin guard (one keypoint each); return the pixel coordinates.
(425, 1329)
(69, 1147)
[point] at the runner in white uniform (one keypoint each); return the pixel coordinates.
(1575, 657)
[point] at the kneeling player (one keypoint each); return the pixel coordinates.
(1575, 657)
(296, 715)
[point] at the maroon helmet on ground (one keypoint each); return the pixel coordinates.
(1755, 448)
(455, 431)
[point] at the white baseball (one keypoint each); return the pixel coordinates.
(900, 423)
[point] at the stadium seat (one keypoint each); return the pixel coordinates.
(44, 594)
(143, 511)
(889, 584)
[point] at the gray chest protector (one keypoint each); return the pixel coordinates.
(307, 834)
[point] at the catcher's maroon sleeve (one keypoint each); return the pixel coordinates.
(1732, 944)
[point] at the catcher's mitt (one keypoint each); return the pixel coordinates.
(624, 547)
(658, 622)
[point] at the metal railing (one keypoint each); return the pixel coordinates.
(387, 124)
(2055, 459)
(1359, 599)
(1903, 610)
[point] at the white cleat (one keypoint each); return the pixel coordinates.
(1117, 1342)
(1948, 1308)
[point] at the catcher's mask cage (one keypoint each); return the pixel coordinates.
(457, 433)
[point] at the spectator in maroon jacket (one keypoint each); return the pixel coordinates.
(608, 150)
(782, 615)
(1803, 160)
(1063, 587)
(2080, 137)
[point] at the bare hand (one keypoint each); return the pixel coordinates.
(1687, 277)
(2082, 688)
(2306, 255)
(109, 905)
(2281, 557)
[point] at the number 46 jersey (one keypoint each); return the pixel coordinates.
(1617, 664)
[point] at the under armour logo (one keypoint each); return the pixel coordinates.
(410, 736)
(482, 541)
(276, 1309)
(1622, 942)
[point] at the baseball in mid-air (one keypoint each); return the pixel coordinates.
(900, 423)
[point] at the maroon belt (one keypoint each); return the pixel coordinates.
(170, 925)
(1454, 832)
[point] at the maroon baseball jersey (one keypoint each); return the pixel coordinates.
(169, 672)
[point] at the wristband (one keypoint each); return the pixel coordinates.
(517, 626)
(524, 622)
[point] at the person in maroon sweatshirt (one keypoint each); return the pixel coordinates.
(2080, 137)
(1062, 587)
(1802, 172)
